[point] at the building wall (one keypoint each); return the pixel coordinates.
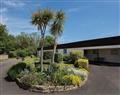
(67, 51)
(3, 57)
(91, 55)
(110, 55)
(106, 55)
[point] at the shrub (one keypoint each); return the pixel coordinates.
(58, 57)
(74, 79)
(58, 72)
(48, 61)
(29, 51)
(31, 60)
(67, 58)
(63, 66)
(57, 77)
(21, 53)
(75, 55)
(15, 70)
(82, 63)
(33, 79)
(83, 73)
(12, 54)
(47, 55)
(54, 67)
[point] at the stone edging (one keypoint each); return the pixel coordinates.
(49, 89)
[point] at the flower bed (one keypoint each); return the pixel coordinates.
(49, 88)
(60, 77)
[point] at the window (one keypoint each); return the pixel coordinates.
(65, 51)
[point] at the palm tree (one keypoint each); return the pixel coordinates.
(42, 19)
(57, 29)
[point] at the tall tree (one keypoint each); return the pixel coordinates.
(3, 37)
(42, 19)
(35, 39)
(57, 29)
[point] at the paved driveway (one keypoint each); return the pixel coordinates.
(103, 80)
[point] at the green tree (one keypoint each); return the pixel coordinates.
(3, 37)
(42, 19)
(57, 29)
(35, 39)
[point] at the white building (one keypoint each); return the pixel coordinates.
(101, 50)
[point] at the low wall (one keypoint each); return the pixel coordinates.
(3, 57)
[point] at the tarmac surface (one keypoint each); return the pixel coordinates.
(103, 80)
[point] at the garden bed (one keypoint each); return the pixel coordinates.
(49, 88)
(56, 77)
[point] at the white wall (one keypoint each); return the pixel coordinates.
(68, 50)
(3, 57)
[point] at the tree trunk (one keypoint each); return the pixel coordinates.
(54, 50)
(41, 55)
(41, 59)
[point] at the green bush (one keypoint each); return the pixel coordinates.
(67, 59)
(72, 79)
(58, 72)
(47, 55)
(12, 54)
(57, 77)
(21, 53)
(82, 63)
(15, 70)
(75, 55)
(33, 79)
(58, 57)
(48, 61)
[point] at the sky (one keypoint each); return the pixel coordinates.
(85, 19)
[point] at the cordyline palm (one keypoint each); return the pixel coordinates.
(42, 19)
(57, 29)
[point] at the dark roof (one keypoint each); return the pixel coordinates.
(89, 43)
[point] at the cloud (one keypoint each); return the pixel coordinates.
(3, 18)
(3, 10)
(3, 21)
(13, 3)
(16, 25)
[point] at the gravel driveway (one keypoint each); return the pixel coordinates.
(103, 80)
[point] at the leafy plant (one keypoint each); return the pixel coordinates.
(15, 70)
(75, 55)
(82, 63)
(48, 61)
(57, 77)
(12, 54)
(33, 79)
(47, 55)
(58, 57)
(72, 79)
(21, 53)
(66, 58)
